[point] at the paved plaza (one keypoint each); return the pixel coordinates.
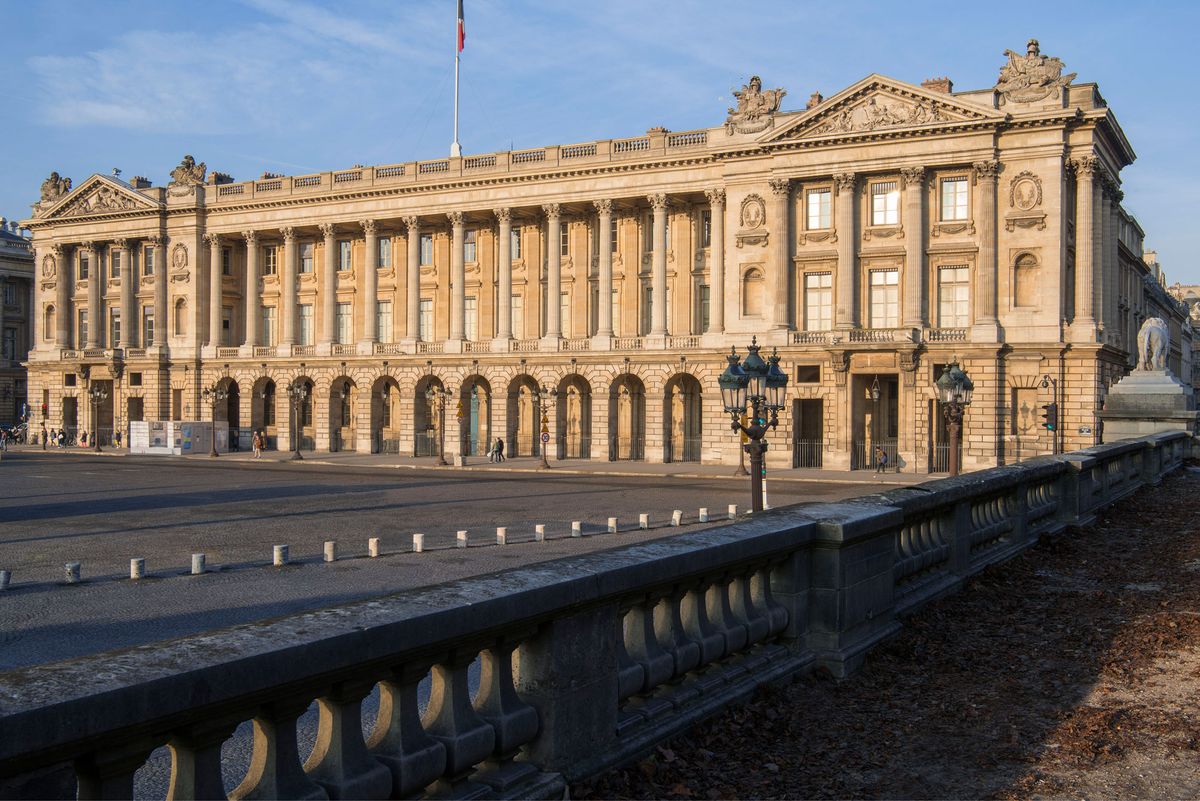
(101, 511)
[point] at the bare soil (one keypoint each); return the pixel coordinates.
(1072, 671)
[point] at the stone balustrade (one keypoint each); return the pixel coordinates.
(586, 662)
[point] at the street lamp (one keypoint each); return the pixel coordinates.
(875, 393)
(954, 390)
(214, 396)
(297, 393)
(437, 396)
(98, 395)
(1049, 381)
(544, 397)
(762, 387)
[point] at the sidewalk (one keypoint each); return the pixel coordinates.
(532, 464)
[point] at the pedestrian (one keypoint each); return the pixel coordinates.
(492, 455)
(62, 438)
(83, 439)
(881, 459)
(256, 444)
(117, 438)
(499, 449)
(4, 440)
(44, 435)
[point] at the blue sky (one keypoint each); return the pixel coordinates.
(299, 86)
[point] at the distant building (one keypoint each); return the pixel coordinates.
(16, 326)
(872, 237)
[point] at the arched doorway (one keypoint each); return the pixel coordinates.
(343, 395)
(385, 416)
(475, 427)
(523, 424)
(682, 415)
(304, 427)
(426, 417)
(627, 418)
(262, 411)
(230, 412)
(574, 416)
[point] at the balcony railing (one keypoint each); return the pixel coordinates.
(812, 337)
(388, 349)
(683, 342)
(862, 335)
(575, 344)
(525, 346)
(345, 349)
(227, 353)
(304, 350)
(431, 347)
(264, 350)
(628, 343)
(945, 335)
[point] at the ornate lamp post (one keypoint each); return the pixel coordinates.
(214, 396)
(954, 390)
(98, 395)
(437, 397)
(297, 393)
(544, 397)
(874, 422)
(763, 388)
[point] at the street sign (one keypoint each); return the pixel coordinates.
(1085, 429)
(545, 437)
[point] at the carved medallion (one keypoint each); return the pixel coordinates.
(1025, 191)
(1031, 77)
(755, 108)
(752, 217)
(179, 257)
(48, 268)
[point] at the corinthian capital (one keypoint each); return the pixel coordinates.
(658, 201)
(251, 238)
(121, 244)
(780, 187)
(503, 215)
(716, 197)
(845, 182)
(986, 170)
(369, 227)
(158, 240)
(913, 176)
(212, 240)
(455, 218)
(1084, 165)
(57, 250)
(87, 246)
(552, 211)
(413, 224)
(603, 206)
(289, 234)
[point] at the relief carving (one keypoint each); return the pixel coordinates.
(48, 267)
(753, 215)
(186, 177)
(104, 198)
(53, 189)
(877, 112)
(1025, 191)
(1031, 77)
(755, 108)
(179, 257)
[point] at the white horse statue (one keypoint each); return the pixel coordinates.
(1153, 339)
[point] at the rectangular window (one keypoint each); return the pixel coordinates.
(885, 203)
(954, 199)
(469, 250)
(147, 325)
(818, 301)
(226, 261)
(885, 298)
(383, 320)
(425, 320)
(613, 235)
(270, 259)
(616, 311)
(470, 319)
(819, 209)
(266, 332)
(226, 326)
(344, 324)
(10, 294)
(426, 250)
(306, 324)
(702, 299)
(114, 326)
(343, 255)
(647, 308)
(564, 240)
(306, 256)
(176, 404)
(385, 252)
(114, 263)
(148, 261)
(516, 242)
(82, 330)
(68, 379)
(705, 228)
(84, 266)
(518, 316)
(564, 312)
(953, 297)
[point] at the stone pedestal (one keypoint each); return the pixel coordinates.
(1148, 402)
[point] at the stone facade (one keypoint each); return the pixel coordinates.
(16, 304)
(872, 237)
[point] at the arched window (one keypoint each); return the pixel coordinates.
(346, 403)
(1025, 280)
(48, 324)
(752, 293)
(180, 317)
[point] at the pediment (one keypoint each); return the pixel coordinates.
(877, 104)
(99, 194)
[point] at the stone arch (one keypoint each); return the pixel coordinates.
(523, 424)
(753, 285)
(475, 425)
(427, 421)
(263, 406)
(683, 416)
(574, 417)
(385, 415)
(343, 414)
(627, 418)
(303, 423)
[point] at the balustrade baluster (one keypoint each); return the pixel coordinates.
(196, 761)
(700, 628)
(764, 598)
(631, 675)
(108, 773)
(515, 722)
(721, 615)
(339, 761)
(756, 623)
(668, 625)
(451, 720)
(275, 770)
(642, 644)
(398, 740)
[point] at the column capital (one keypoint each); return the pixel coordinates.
(986, 170)
(552, 211)
(658, 201)
(845, 182)
(716, 197)
(326, 230)
(1084, 166)
(289, 234)
(57, 249)
(603, 206)
(370, 227)
(780, 187)
(455, 218)
(913, 175)
(212, 240)
(251, 238)
(121, 244)
(412, 223)
(88, 246)
(503, 215)
(158, 240)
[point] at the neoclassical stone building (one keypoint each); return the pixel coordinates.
(871, 237)
(16, 304)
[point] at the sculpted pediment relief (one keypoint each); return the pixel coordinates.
(879, 104)
(99, 195)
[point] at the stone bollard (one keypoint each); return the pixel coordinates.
(330, 551)
(677, 517)
(643, 521)
(280, 556)
(462, 539)
(5, 578)
(373, 547)
(502, 535)
(576, 528)
(733, 511)
(703, 514)
(197, 564)
(137, 568)
(539, 532)
(418, 543)
(612, 525)
(72, 572)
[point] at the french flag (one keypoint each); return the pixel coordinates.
(462, 27)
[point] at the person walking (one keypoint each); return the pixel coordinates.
(256, 444)
(62, 437)
(499, 450)
(881, 459)
(44, 435)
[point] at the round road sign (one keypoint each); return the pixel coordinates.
(545, 437)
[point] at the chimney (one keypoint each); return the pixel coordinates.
(138, 182)
(943, 85)
(814, 100)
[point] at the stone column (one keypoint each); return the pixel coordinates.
(161, 322)
(458, 276)
(129, 315)
(504, 314)
(1113, 281)
(986, 328)
(781, 192)
(658, 266)
(413, 281)
(214, 289)
(251, 291)
(915, 314)
(95, 279)
(62, 295)
(287, 289)
(847, 241)
(370, 284)
(1083, 329)
(553, 271)
(716, 250)
(604, 327)
(328, 285)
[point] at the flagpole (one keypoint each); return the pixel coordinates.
(455, 147)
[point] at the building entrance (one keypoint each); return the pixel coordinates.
(875, 420)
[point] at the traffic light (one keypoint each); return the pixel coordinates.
(1050, 416)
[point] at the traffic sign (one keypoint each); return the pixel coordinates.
(545, 437)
